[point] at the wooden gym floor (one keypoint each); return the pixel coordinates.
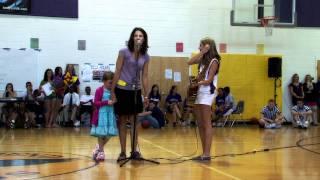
(65, 154)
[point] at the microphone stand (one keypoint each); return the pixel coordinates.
(134, 126)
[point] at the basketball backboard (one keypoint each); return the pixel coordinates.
(250, 12)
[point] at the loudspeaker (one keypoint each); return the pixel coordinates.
(274, 67)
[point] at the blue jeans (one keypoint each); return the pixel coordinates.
(153, 121)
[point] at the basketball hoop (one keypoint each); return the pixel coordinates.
(268, 23)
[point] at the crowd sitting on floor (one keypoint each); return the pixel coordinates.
(57, 103)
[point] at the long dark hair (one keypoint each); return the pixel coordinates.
(45, 76)
(172, 88)
(7, 93)
(58, 71)
(151, 92)
(206, 59)
(144, 46)
(226, 91)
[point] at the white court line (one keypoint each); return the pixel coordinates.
(3, 137)
(205, 166)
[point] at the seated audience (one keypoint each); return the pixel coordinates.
(187, 115)
(39, 108)
(9, 110)
(225, 106)
(220, 103)
(86, 108)
(154, 95)
(71, 102)
(302, 115)
(229, 103)
(150, 114)
(173, 103)
(30, 105)
(310, 99)
(271, 117)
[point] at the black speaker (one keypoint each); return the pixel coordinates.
(274, 67)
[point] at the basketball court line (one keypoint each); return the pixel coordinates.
(3, 137)
(202, 165)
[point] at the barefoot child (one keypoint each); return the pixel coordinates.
(103, 121)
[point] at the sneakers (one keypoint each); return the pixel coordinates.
(95, 152)
(77, 124)
(201, 158)
(100, 156)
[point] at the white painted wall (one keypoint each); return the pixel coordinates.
(106, 26)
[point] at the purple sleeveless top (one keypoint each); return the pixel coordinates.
(131, 69)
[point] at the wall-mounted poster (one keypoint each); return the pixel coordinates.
(15, 6)
(93, 72)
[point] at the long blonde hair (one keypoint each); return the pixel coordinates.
(207, 57)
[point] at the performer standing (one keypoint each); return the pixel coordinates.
(208, 60)
(132, 62)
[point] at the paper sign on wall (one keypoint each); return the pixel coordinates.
(112, 67)
(260, 48)
(177, 76)
(223, 47)
(168, 73)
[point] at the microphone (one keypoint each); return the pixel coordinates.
(138, 44)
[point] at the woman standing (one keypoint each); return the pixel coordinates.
(309, 89)
(296, 89)
(209, 61)
(132, 62)
(59, 86)
(46, 87)
(70, 78)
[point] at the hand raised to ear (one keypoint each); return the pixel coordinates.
(205, 49)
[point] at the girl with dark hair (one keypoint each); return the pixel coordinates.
(154, 95)
(132, 62)
(9, 109)
(49, 98)
(296, 89)
(209, 61)
(59, 86)
(173, 103)
(70, 78)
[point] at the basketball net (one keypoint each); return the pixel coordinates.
(268, 23)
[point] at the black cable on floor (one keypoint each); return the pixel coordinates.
(298, 145)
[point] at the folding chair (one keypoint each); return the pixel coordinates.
(238, 111)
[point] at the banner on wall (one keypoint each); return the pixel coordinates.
(15, 6)
(94, 72)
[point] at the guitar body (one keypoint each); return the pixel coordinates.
(192, 90)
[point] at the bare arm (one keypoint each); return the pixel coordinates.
(145, 113)
(197, 58)
(302, 92)
(308, 112)
(116, 77)
(295, 113)
(266, 119)
(145, 82)
(212, 71)
(291, 92)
